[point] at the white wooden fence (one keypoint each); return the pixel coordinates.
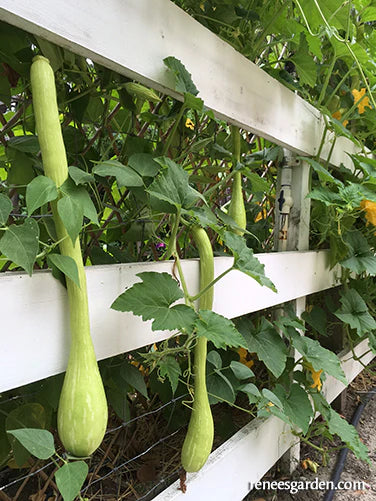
(132, 38)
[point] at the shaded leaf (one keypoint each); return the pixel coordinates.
(65, 264)
(320, 358)
(361, 258)
(347, 433)
(324, 175)
(296, 405)
(267, 344)
(241, 371)
(244, 259)
(38, 192)
(251, 391)
(183, 79)
(134, 378)
(26, 144)
(71, 214)
(305, 64)
(144, 164)
(317, 319)
(354, 312)
(125, 176)
(169, 367)
(40, 443)
(214, 358)
(6, 207)
(218, 329)
(80, 195)
(79, 176)
(30, 415)
(20, 244)
(172, 185)
(219, 388)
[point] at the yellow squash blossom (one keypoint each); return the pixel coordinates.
(370, 210)
(245, 357)
(338, 115)
(362, 102)
(189, 124)
(316, 378)
(263, 214)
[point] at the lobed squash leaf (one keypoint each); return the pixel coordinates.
(218, 329)
(245, 261)
(152, 299)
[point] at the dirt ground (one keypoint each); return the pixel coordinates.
(354, 470)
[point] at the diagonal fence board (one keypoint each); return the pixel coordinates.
(252, 451)
(35, 309)
(133, 38)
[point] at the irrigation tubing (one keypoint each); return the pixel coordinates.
(329, 495)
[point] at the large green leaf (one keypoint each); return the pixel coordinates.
(354, 312)
(267, 344)
(183, 79)
(144, 164)
(241, 371)
(324, 175)
(317, 319)
(251, 391)
(169, 367)
(26, 144)
(20, 244)
(219, 388)
(30, 415)
(172, 185)
(134, 378)
(38, 192)
(360, 259)
(296, 405)
(219, 330)
(71, 214)
(125, 176)
(152, 300)
(65, 264)
(347, 434)
(79, 176)
(325, 195)
(40, 443)
(305, 64)
(319, 357)
(244, 259)
(339, 426)
(5, 208)
(70, 478)
(82, 198)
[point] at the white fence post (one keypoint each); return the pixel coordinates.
(292, 233)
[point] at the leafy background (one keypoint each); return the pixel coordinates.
(137, 158)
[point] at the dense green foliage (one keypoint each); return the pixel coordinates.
(144, 169)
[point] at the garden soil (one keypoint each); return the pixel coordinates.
(354, 470)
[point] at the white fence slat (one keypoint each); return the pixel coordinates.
(252, 451)
(133, 38)
(35, 315)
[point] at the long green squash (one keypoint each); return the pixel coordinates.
(82, 413)
(236, 208)
(198, 442)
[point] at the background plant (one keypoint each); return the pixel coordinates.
(110, 122)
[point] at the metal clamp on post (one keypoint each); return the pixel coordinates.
(285, 200)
